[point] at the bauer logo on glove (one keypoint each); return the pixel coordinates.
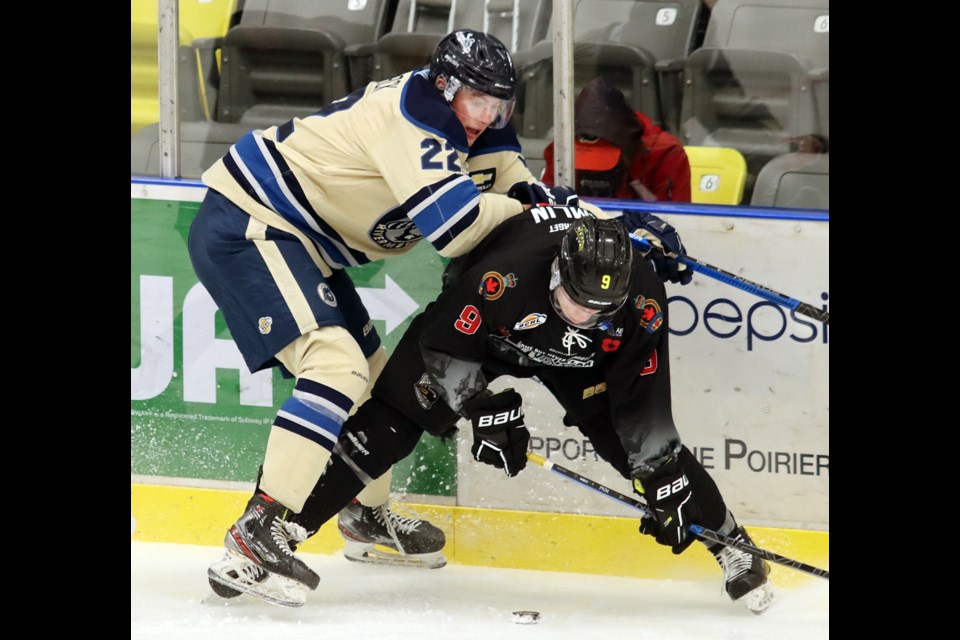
(500, 418)
(499, 436)
(668, 489)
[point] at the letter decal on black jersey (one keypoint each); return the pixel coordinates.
(431, 148)
(469, 320)
(651, 366)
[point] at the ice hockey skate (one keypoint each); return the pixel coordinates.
(259, 559)
(745, 575)
(377, 535)
(234, 574)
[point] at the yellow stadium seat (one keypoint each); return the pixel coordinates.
(717, 175)
(198, 19)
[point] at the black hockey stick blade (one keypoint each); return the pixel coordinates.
(712, 536)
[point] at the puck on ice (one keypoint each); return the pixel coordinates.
(526, 617)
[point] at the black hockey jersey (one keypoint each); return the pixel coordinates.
(497, 305)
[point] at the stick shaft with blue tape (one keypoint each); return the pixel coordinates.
(734, 280)
(695, 529)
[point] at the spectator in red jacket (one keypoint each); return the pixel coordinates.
(620, 153)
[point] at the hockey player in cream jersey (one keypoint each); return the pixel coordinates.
(425, 155)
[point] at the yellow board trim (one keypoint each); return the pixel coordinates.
(488, 537)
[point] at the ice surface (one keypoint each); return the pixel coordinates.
(170, 599)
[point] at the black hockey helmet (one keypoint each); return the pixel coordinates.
(593, 267)
(474, 59)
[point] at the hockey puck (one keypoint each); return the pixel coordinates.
(525, 617)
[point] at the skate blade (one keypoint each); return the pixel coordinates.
(760, 599)
(377, 554)
(276, 589)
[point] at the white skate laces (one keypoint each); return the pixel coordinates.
(735, 563)
(396, 524)
(283, 533)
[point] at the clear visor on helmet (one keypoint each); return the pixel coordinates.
(485, 109)
(573, 313)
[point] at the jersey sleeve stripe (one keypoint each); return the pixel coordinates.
(459, 194)
(446, 234)
(269, 176)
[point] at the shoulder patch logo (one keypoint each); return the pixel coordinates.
(651, 317)
(326, 294)
(265, 324)
(493, 284)
(395, 234)
(426, 395)
(484, 178)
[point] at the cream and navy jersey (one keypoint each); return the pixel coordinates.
(497, 305)
(374, 173)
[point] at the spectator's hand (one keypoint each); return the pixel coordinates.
(672, 504)
(666, 245)
(499, 435)
(537, 193)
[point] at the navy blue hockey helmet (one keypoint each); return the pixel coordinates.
(594, 265)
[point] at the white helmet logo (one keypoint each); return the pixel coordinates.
(466, 41)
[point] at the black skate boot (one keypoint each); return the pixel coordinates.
(259, 558)
(744, 575)
(379, 536)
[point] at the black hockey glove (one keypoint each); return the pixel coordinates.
(672, 505)
(665, 241)
(537, 193)
(499, 436)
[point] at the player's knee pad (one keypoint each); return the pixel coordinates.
(375, 438)
(330, 357)
(713, 510)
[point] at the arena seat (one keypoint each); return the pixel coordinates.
(198, 20)
(760, 78)
(797, 180)
(638, 45)
(280, 59)
(717, 175)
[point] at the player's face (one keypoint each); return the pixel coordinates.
(476, 111)
(575, 314)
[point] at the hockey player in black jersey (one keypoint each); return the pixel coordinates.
(557, 294)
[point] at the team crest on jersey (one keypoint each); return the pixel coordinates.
(484, 178)
(493, 284)
(651, 317)
(326, 294)
(395, 230)
(532, 320)
(265, 324)
(425, 393)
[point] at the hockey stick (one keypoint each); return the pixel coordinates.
(732, 279)
(695, 529)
